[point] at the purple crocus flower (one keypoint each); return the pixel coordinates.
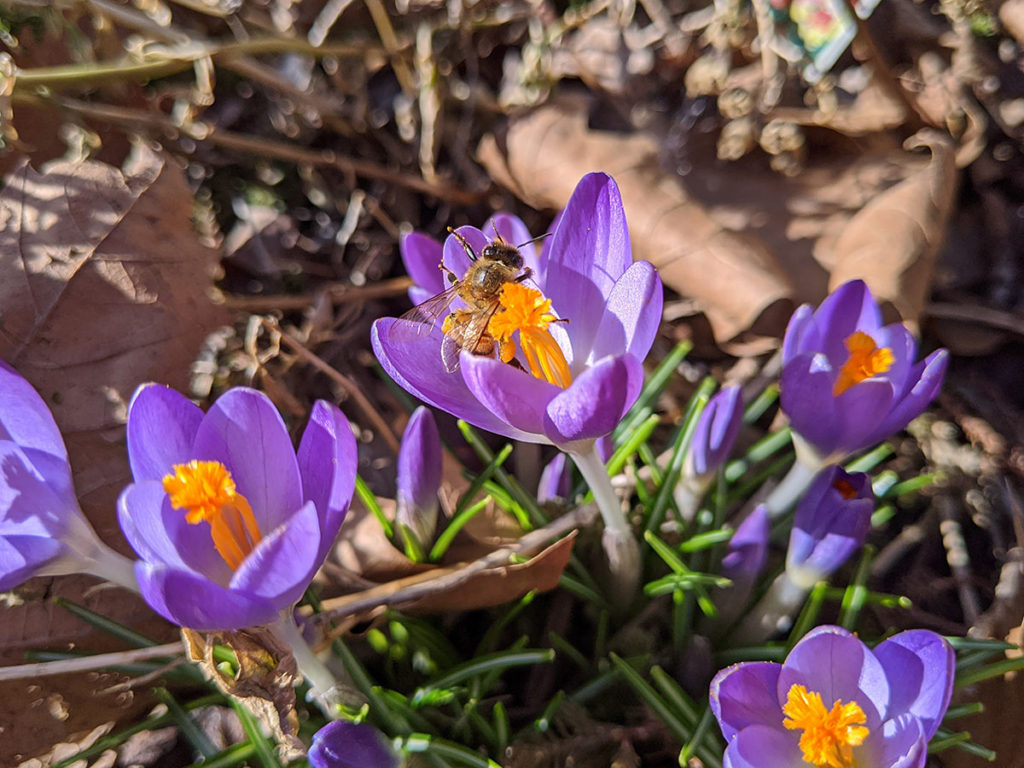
(613, 307)
(42, 529)
(419, 476)
(743, 562)
(835, 703)
(230, 524)
(714, 435)
(350, 745)
(848, 381)
(831, 523)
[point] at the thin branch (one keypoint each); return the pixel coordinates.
(90, 663)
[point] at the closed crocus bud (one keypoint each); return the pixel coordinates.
(419, 477)
(555, 479)
(744, 559)
(350, 745)
(713, 438)
(830, 524)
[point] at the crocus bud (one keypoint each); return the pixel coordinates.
(717, 428)
(350, 745)
(419, 477)
(554, 479)
(744, 559)
(830, 524)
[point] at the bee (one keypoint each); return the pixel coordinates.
(465, 328)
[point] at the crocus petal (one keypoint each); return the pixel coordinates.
(920, 667)
(22, 557)
(422, 257)
(806, 397)
(801, 334)
(417, 368)
(513, 396)
(901, 744)
(28, 505)
(160, 534)
(927, 376)
(760, 745)
(24, 417)
(631, 315)
(349, 745)
(327, 459)
(831, 661)
(859, 411)
(746, 694)
(455, 256)
(192, 601)
(903, 345)
(589, 253)
(849, 308)
(244, 431)
(717, 429)
(747, 552)
(281, 566)
(162, 425)
(554, 479)
(595, 402)
(418, 476)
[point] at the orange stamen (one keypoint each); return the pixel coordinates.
(866, 359)
(527, 311)
(829, 736)
(206, 490)
(846, 490)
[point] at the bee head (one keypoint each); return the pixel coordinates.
(504, 252)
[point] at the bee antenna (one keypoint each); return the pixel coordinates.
(534, 240)
(464, 243)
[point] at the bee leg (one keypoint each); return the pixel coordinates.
(452, 277)
(527, 274)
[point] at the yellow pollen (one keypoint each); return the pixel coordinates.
(866, 359)
(829, 736)
(206, 490)
(526, 310)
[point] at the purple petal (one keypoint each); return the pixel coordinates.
(417, 368)
(24, 417)
(631, 316)
(162, 426)
(192, 601)
(747, 551)
(554, 479)
(422, 256)
(590, 251)
(327, 459)
(244, 431)
(903, 346)
(349, 745)
(717, 429)
(927, 376)
(801, 334)
(281, 566)
(828, 527)
(760, 746)
(859, 410)
(419, 474)
(455, 256)
(901, 744)
(849, 308)
(595, 402)
(806, 396)
(22, 557)
(830, 661)
(513, 396)
(161, 535)
(746, 694)
(920, 667)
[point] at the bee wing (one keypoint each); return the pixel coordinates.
(466, 336)
(421, 319)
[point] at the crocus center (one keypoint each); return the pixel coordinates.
(206, 491)
(866, 359)
(845, 488)
(829, 736)
(526, 310)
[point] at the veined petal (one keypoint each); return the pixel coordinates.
(631, 316)
(243, 431)
(162, 426)
(513, 396)
(417, 368)
(589, 253)
(191, 600)
(327, 459)
(595, 402)
(281, 566)
(160, 534)
(422, 256)
(746, 694)
(920, 667)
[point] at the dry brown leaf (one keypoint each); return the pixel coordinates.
(737, 281)
(893, 241)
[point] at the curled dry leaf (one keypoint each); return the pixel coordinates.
(265, 682)
(893, 241)
(735, 278)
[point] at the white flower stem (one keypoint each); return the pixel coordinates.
(773, 613)
(113, 567)
(619, 544)
(323, 684)
(788, 492)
